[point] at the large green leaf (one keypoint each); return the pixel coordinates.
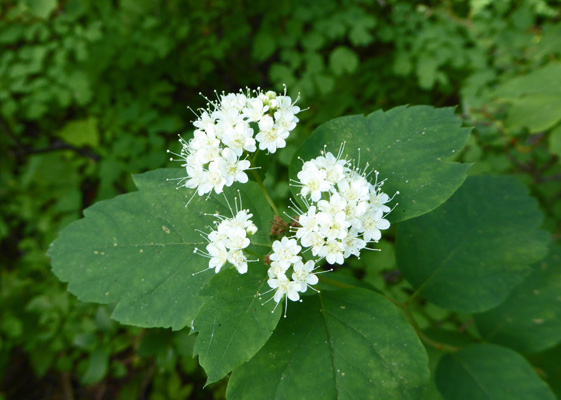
(530, 318)
(233, 324)
(137, 250)
(470, 253)
(409, 146)
(535, 99)
(348, 344)
(489, 372)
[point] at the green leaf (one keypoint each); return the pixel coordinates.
(233, 325)
(427, 66)
(41, 8)
(549, 367)
(137, 250)
(347, 344)
(80, 133)
(489, 372)
(98, 365)
(538, 112)
(535, 99)
(409, 146)
(264, 46)
(343, 60)
(471, 252)
(529, 320)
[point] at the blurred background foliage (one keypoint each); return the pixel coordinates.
(94, 91)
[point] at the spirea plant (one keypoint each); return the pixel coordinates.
(204, 247)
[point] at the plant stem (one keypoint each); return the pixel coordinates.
(440, 346)
(265, 192)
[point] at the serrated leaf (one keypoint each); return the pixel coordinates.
(529, 320)
(397, 143)
(468, 254)
(489, 372)
(348, 344)
(233, 324)
(137, 250)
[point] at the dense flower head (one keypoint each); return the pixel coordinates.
(228, 130)
(289, 284)
(227, 241)
(344, 211)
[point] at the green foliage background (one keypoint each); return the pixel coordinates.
(93, 91)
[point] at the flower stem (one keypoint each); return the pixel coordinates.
(265, 192)
(440, 346)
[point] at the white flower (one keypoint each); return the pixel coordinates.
(284, 103)
(334, 226)
(308, 223)
(215, 177)
(335, 204)
(303, 275)
(206, 122)
(372, 223)
(219, 255)
(333, 252)
(286, 251)
(237, 239)
(238, 260)
(255, 109)
(225, 124)
(353, 244)
(284, 287)
(276, 269)
(240, 139)
(379, 199)
(351, 213)
(232, 168)
(270, 137)
(354, 190)
(228, 241)
(313, 181)
(315, 241)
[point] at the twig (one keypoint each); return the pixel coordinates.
(67, 392)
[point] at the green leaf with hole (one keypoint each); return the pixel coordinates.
(409, 146)
(529, 320)
(468, 254)
(489, 372)
(347, 344)
(233, 324)
(136, 250)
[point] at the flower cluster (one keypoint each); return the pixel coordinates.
(228, 130)
(344, 210)
(227, 242)
(285, 256)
